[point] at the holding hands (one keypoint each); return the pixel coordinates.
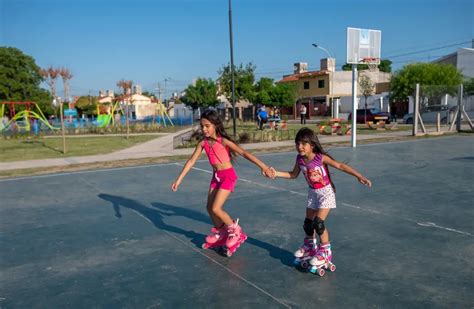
(269, 172)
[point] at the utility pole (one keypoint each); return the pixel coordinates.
(164, 90)
(232, 68)
(159, 92)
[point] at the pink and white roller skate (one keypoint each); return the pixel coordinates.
(216, 239)
(322, 261)
(235, 237)
(305, 253)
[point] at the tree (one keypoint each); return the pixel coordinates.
(66, 75)
(244, 78)
(283, 94)
(435, 79)
(469, 86)
(148, 94)
(125, 85)
(87, 105)
(367, 89)
(20, 79)
(384, 66)
(50, 75)
(202, 94)
(263, 89)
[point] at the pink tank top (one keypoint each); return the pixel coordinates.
(315, 172)
(216, 153)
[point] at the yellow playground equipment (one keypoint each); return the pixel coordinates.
(22, 120)
(161, 111)
(105, 114)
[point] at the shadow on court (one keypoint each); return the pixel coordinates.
(155, 215)
(284, 256)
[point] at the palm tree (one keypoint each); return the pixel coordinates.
(66, 75)
(125, 85)
(50, 75)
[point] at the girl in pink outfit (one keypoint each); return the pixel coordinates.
(313, 161)
(220, 150)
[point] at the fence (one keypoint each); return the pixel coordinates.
(438, 108)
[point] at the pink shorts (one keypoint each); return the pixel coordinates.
(224, 179)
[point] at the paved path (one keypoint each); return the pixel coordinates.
(163, 146)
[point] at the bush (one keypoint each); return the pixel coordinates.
(244, 137)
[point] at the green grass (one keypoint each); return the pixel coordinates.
(43, 148)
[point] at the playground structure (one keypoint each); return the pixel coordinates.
(163, 114)
(27, 117)
(24, 120)
(105, 114)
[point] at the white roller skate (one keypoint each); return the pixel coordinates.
(305, 253)
(322, 261)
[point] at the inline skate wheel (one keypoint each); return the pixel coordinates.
(205, 245)
(304, 264)
(332, 267)
(321, 272)
(228, 253)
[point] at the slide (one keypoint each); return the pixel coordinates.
(103, 120)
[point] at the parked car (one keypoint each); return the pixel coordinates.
(430, 114)
(371, 114)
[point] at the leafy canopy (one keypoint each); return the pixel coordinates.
(436, 79)
(202, 94)
(20, 79)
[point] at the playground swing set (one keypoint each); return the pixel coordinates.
(105, 115)
(23, 120)
(31, 117)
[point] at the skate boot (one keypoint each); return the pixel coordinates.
(235, 237)
(217, 238)
(322, 261)
(305, 252)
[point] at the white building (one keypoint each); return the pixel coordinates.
(462, 59)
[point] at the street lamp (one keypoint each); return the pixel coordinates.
(320, 47)
(330, 77)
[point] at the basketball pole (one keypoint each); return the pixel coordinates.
(354, 105)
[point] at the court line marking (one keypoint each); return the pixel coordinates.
(423, 224)
(199, 251)
(219, 264)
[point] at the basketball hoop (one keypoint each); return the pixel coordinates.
(372, 63)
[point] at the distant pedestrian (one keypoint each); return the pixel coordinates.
(303, 113)
(393, 114)
(262, 117)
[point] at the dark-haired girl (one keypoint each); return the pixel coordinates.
(220, 150)
(313, 161)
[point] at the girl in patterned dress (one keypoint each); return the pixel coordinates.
(313, 161)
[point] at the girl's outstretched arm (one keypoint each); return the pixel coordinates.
(247, 155)
(291, 174)
(347, 169)
(196, 154)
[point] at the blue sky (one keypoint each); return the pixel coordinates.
(148, 41)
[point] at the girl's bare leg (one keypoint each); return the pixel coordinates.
(210, 200)
(218, 204)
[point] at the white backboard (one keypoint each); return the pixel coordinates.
(362, 44)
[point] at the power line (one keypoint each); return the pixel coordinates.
(427, 50)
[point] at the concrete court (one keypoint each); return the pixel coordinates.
(121, 239)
